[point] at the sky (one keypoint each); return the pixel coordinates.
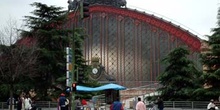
(197, 16)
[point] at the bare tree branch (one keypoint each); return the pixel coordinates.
(10, 33)
(18, 57)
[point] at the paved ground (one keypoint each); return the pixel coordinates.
(132, 109)
(125, 109)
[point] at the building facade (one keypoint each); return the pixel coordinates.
(131, 44)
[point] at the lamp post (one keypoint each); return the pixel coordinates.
(71, 79)
(70, 76)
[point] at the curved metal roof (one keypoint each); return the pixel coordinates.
(190, 39)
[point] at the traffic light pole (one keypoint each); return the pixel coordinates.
(84, 13)
(70, 75)
(72, 81)
(73, 76)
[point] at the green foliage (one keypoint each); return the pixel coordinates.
(178, 79)
(211, 59)
(78, 39)
(47, 27)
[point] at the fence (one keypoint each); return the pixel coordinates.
(169, 105)
(41, 105)
(186, 105)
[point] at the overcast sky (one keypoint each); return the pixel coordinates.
(197, 16)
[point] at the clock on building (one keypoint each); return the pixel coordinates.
(96, 73)
(94, 70)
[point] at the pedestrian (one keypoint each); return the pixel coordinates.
(62, 101)
(11, 102)
(84, 103)
(19, 103)
(33, 105)
(116, 105)
(159, 103)
(211, 105)
(140, 105)
(27, 102)
(78, 104)
(22, 97)
(91, 104)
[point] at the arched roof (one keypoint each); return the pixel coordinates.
(190, 39)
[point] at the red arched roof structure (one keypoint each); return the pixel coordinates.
(191, 40)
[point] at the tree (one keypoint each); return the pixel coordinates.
(10, 33)
(179, 78)
(17, 61)
(211, 60)
(48, 26)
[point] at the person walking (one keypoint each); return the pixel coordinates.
(116, 105)
(160, 104)
(140, 105)
(211, 105)
(62, 100)
(27, 103)
(11, 103)
(19, 103)
(78, 104)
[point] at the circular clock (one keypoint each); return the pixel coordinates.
(96, 73)
(94, 70)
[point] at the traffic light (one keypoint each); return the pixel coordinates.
(84, 9)
(74, 86)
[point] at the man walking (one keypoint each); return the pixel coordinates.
(116, 105)
(62, 101)
(140, 105)
(160, 103)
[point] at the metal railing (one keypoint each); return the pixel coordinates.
(41, 105)
(186, 104)
(168, 105)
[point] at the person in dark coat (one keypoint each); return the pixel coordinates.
(160, 103)
(116, 105)
(19, 103)
(62, 100)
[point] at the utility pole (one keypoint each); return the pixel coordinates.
(71, 80)
(71, 75)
